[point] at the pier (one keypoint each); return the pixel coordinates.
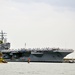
(69, 60)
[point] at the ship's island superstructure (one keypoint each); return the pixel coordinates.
(34, 55)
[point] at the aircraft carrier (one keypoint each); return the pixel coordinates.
(32, 55)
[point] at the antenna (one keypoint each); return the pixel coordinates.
(2, 34)
(25, 45)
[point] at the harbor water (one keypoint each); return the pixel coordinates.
(32, 68)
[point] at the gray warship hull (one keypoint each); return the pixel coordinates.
(32, 55)
(52, 55)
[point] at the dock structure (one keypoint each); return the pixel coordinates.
(69, 60)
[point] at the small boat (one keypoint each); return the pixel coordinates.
(1, 59)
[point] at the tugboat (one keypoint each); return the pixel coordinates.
(31, 55)
(1, 59)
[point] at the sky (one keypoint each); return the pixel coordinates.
(39, 23)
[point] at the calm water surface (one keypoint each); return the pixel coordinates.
(23, 68)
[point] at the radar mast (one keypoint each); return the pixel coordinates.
(2, 34)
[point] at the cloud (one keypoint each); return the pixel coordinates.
(59, 3)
